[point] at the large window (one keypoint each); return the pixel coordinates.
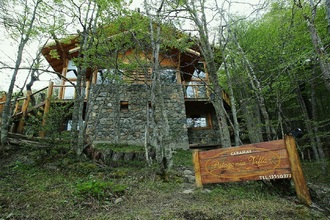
(198, 121)
(196, 86)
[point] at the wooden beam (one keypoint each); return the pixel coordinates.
(73, 50)
(64, 71)
(24, 111)
(3, 101)
(94, 77)
(194, 52)
(47, 107)
(296, 170)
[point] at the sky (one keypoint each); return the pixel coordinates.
(8, 49)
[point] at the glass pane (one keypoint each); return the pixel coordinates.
(198, 122)
(190, 93)
(202, 92)
(69, 91)
(198, 75)
(72, 68)
(71, 74)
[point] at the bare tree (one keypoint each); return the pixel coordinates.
(23, 25)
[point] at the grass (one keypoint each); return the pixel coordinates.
(35, 185)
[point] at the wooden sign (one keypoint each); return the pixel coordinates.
(261, 161)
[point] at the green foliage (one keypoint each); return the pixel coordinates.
(54, 54)
(57, 116)
(33, 122)
(279, 49)
(316, 172)
(99, 189)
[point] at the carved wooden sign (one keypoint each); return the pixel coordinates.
(261, 161)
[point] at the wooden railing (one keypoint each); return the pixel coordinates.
(201, 92)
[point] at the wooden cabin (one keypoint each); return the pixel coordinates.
(118, 106)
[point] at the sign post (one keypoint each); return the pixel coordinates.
(260, 161)
(297, 173)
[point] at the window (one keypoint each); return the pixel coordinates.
(71, 74)
(69, 125)
(124, 106)
(72, 70)
(199, 73)
(69, 91)
(198, 121)
(168, 76)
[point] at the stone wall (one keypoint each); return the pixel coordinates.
(109, 123)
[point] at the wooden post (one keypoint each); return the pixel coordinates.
(47, 107)
(16, 108)
(296, 170)
(197, 168)
(64, 71)
(24, 112)
(2, 100)
(94, 77)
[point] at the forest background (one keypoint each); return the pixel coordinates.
(275, 62)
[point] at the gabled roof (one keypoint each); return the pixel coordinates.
(125, 27)
(57, 52)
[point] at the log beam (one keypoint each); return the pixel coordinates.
(47, 107)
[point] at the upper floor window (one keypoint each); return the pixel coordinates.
(72, 70)
(199, 72)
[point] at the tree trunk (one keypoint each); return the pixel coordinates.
(233, 104)
(257, 89)
(7, 107)
(251, 114)
(199, 18)
(308, 123)
(321, 53)
(317, 42)
(25, 30)
(159, 121)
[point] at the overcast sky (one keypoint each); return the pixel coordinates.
(8, 48)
